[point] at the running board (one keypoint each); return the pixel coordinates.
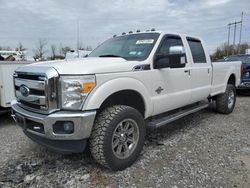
(156, 123)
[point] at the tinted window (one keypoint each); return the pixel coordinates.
(197, 50)
(168, 42)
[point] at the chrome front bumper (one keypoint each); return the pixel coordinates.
(83, 123)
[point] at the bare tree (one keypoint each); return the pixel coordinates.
(53, 51)
(224, 49)
(89, 48)
(40, 49)
(20, 47)
(81, 47)
(65, 49)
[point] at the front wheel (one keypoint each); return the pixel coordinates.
(117, 137)
(225, 102)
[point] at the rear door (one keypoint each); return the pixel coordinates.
(200, 71)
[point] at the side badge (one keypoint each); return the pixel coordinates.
(159, 90)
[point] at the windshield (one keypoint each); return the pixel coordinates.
(129, 47)
(245, 59)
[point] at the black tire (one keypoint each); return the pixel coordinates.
(222, 101)
(102, 136)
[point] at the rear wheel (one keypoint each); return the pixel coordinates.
(117, 137)
(225, 102)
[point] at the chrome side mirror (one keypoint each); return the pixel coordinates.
(176, 50)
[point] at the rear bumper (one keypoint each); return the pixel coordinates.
(244, 85)
(40, 128)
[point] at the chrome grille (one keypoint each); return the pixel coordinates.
(36, 96)
(37, 91)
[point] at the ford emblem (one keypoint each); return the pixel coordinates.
(24, 90)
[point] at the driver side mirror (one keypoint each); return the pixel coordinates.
(176, 58)
(176, 50)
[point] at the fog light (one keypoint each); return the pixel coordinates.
(68, 127)
(63, 127)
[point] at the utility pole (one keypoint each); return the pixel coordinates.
(234, 36)
(77, 42)
(228, 39)
(240, 32)
(235, 25)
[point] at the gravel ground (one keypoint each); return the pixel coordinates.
(204, 149)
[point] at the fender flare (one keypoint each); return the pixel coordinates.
(101, 93)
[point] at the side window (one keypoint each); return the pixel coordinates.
(197, 50)
(168, 43)
(168, 49)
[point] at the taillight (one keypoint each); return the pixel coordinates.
(241, 70)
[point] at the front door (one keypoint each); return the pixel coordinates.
(172, 89)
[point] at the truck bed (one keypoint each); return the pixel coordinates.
(221, 73)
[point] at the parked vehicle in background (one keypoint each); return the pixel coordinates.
(7, 55)
(7, 69)
(245, 60)
(128, 83)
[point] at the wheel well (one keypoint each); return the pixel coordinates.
(125, 97)
(231, 80)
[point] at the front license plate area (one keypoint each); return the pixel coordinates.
(20, 121)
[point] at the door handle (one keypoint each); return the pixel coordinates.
(187, 71)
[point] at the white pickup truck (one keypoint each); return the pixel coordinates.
(128, 83)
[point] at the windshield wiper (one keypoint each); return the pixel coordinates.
(110, 55)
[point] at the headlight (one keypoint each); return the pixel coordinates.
(74, 90)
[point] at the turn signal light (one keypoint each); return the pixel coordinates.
(88, 86)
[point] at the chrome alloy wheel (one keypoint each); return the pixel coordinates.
(231, 98)
(125, 138)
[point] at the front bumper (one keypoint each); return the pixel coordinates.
(39, 127)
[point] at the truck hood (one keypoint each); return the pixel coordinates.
(91, 65)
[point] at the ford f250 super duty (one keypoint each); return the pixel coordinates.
(127, 84)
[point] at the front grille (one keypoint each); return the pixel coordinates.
(36, 91)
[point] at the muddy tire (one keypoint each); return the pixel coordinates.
(225, 102)
(117, 137)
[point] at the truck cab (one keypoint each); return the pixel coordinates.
(127, 84)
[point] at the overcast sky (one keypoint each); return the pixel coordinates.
(56, 20)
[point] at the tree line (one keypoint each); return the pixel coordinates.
(226, 50)
(43, 51)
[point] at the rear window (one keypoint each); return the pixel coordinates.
(197, 50)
